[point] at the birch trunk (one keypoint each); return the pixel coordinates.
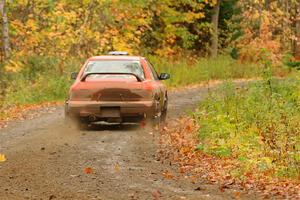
(297, 34)
(5, 33)
(215, 26)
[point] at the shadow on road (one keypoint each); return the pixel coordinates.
(114, 127)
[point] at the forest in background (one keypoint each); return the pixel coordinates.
(256, 127)
(42, 41)
(36, 34)
(82, 28)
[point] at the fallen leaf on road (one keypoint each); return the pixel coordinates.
(88, 170)
(167, 175)
(237, 195)
(198, 189)
(2, 158)
(223, 187)
(52, 197)
(156, 194)
(143, 124)
(117, 167)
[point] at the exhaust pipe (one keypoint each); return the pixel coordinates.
(92, 118)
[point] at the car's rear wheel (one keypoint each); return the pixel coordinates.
(158, 119)
(75, 122)
(163, 116)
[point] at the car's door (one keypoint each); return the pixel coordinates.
(161, 91)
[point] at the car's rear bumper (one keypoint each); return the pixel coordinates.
(94, 108)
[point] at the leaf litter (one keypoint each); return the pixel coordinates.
(178, 144)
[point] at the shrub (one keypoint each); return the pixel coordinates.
(258, 124)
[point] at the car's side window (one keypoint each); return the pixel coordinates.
(153, 72)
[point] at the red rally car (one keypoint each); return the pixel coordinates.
(117, 88)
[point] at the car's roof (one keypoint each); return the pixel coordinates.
(115, 58)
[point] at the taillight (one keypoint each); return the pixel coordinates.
(80, 94)
(148, 86)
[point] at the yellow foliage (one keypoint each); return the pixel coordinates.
(2, 158)
(13, 66)
(65, 28)
(255, 42)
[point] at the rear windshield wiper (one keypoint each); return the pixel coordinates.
(83, 78)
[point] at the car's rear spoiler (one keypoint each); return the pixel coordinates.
(83, 78)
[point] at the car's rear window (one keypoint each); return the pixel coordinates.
(115, 66)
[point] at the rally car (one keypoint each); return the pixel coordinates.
(117, 88)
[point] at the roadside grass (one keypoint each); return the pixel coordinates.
(39, 81)
(187, 72)
(257, 125)
(47, 79)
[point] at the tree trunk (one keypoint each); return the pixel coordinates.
(267, 4)
(297, 34)
(5, 34)
(215, 25)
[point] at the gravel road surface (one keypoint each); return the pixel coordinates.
(46, 160)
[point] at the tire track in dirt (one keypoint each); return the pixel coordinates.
(45, 160)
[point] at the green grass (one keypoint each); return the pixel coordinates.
(42, 89)
(185, 72)
(258, 125)
(43, 80)
(40, 81)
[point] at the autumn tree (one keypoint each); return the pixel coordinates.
(5, 30)
(77, 28)
(269, 25)
(296, 30)
(215, 29)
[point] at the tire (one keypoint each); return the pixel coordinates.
(74, 122)
(70, 122)
(152, 122)
(163, 116)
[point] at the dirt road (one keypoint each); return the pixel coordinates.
(47, 161)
